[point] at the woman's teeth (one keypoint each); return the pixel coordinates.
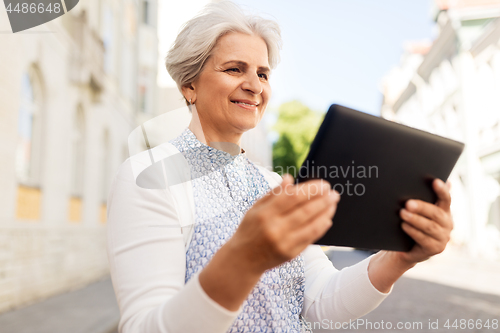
(244, 103)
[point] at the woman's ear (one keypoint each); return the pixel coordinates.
(188, 92)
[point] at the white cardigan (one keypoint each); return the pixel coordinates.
(148, 233)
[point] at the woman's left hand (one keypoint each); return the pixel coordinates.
(428, 224)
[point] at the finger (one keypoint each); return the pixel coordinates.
(430, 245)
(443, 194)
(310, 232)
(312, 208)
(287, 180)
(428, 210)
(291, 196)
(425, 225)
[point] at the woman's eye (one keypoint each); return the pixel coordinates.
(264, 76)
(233, 70)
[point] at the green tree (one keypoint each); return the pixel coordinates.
(296, 125)
(284, 156)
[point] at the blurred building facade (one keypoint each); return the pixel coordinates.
(451, 87)
(71, 91)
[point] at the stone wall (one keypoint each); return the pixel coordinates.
(37, 262)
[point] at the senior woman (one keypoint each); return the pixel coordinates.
(245, 263)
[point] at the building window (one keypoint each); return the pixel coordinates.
(145, 11)
(105, 166)
(105, 151)
(77, 165)
(29, 131)
(108, 33)
(78, 152)
(29, 147)
(494, 212)
(143, 98)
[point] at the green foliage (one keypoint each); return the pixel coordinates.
(297, 125)
(284, 156)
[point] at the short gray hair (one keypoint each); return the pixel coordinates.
(198, 37)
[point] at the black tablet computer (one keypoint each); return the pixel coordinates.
(376, 165)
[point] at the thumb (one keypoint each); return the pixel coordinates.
(287, 180)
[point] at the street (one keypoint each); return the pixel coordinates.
(416, 303)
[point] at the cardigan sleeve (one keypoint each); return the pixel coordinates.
(337, 296)
(146, 254)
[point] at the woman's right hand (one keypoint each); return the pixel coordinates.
(279, 226)
(275, 229)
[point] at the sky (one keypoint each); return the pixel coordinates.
(334, 51)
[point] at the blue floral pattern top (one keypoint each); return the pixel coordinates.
(224, 188)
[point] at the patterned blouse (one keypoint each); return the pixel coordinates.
(224, 188)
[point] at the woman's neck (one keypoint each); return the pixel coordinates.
(210, 136)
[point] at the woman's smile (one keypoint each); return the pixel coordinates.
(246, 104)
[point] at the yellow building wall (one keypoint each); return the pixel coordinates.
(103, 213)
(29, 201)
(75, 209)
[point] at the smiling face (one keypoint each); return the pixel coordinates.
(232, 91)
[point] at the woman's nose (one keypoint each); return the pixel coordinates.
(252, 83)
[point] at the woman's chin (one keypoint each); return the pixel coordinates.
(246, 120)
(246, 125)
